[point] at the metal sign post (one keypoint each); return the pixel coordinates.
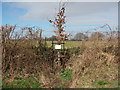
(58, 56)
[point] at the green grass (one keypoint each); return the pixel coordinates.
(67, 75)
(7, 76)
(62, 86)
(102, 83)
(30, 82)
(68, 44)
(76, 51)
(72, 44)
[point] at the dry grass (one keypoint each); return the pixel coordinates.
(95, 68)
(91, 63)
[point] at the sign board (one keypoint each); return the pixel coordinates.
(57, 46)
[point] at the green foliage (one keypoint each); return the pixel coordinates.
(101, 82)
(7, 76)
(67, 75)
(30, 82)
(105, 84)
(18, 78)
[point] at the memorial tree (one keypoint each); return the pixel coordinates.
(59, 23)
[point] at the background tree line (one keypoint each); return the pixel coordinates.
(90, 36)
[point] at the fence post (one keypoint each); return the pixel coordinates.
(52, 55)
(1, 49)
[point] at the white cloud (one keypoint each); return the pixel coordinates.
(92, 13)
(36, 11)
(109, 17)
(79, 13)
(85, 8)
(60, 0)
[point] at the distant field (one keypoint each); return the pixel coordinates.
(68, 44)
(71, 44)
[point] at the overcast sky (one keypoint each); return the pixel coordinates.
(80, 15)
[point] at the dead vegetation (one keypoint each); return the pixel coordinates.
(93, 64)
(19, 53)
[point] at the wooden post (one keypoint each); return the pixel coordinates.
(40, 38)
(1, 50)
(52, 62)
